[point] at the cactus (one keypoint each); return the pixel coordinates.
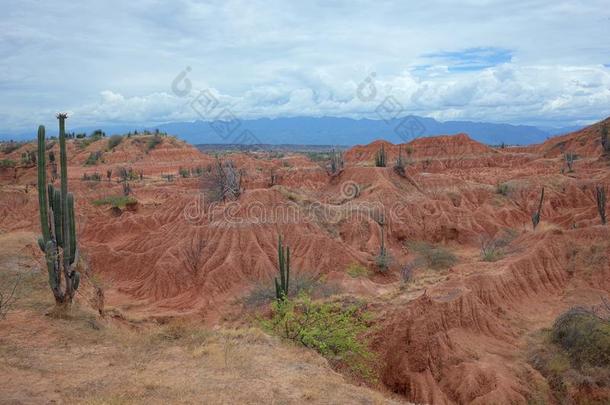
(281, 286)
(381, 157)
(600, 197)
(336, 162)
(56, 208)
(569, 159)
(400, 165)
(536, 215)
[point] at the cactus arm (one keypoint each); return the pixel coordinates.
(54, 278)
(287, 269)
(42, 187)
(72, 229)
(57, 217)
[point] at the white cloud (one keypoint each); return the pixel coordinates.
(114, 61)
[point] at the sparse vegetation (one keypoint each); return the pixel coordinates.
(502, 189)
(184, 173)
(126, 174)
(94, 158)
(92, 177)
(493, 246)
(574, 357)
(153, 142)
(407, 272)
(8, 297)
(28, 158)
(116, 201)
(7, 163)
(10, 146)
(335, 330)
(433, 256)
(356, 270)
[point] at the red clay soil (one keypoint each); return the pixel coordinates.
(453, 336)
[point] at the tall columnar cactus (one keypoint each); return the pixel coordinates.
(381, 157)
(56, 207)
(281, 286)
(400, 165)
(600, 197)
(536, 214)
(336, 162)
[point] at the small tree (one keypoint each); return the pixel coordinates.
(536, 214)
(7, 298)
(600, 197)
(193, 253)
(225, 181)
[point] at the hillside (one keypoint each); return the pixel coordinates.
(452, 321)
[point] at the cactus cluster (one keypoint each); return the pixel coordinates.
(281, 285)
(381, 157)
(58, 241)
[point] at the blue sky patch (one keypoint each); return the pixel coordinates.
(470, 59)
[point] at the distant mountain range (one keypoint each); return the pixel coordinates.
(336, 131)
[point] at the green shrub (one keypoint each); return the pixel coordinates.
(332, 329)
(153, 142)
(434, 257)
(93, 158)
(503, 189)
(114, 141)
(356, 270)
(6, 163)
(184, 173)
(584, 336)
(115, 201)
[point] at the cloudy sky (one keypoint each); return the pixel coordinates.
(540, 62)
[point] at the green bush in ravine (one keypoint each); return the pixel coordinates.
(334, 329)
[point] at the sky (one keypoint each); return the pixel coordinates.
(536, 62)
